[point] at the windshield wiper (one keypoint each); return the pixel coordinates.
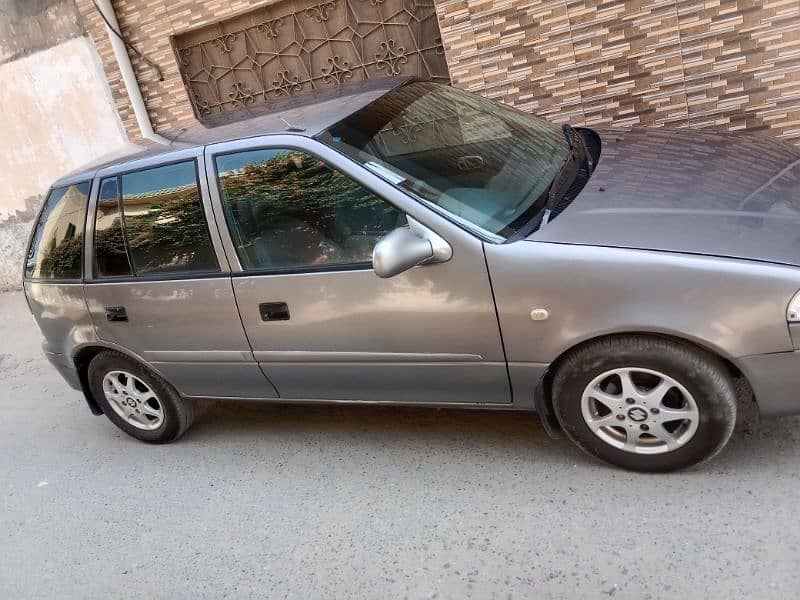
(558, 181)
(539, 212)
(569, 133)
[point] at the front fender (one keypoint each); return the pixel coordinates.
(732, 307)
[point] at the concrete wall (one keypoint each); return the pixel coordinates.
(57, 114)
(30, 25)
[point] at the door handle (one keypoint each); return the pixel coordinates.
(116, 313)
(274, 311)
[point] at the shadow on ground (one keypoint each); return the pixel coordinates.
(512, 432)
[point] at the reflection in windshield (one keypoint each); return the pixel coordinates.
(488, 165)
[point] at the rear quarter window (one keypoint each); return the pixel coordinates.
(56, 250)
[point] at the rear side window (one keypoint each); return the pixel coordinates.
(56, 250)
(111, 254)
(164, 223)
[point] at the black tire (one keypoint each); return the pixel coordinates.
(702, 374)
(178, 413)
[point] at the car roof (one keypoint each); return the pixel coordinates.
(307, 114)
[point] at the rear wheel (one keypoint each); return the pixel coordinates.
(138, 401)
(645, 403)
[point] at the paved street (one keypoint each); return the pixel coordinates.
(304, 502)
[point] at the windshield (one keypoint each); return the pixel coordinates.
(487, 165)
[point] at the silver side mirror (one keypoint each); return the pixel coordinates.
(407, 247)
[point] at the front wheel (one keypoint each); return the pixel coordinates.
(645, 403)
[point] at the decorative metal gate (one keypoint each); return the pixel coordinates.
(293, 45)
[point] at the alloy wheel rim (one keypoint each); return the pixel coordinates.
(641, 411)
(133, 400)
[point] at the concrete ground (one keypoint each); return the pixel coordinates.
(270, 501)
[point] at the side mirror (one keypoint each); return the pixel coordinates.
(407, 247)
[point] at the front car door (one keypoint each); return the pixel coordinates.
(301, 224)
(158, 285)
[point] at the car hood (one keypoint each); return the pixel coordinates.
(716, 193)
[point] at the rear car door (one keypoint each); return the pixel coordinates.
(302, 221)
(158, 284)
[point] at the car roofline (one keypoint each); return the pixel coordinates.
(305, 114)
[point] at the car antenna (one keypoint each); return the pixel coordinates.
(290, 127)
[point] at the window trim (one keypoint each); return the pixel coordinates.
(178, 276)
(332, 268)
(38, 221)
(295, 270)
(95, 271)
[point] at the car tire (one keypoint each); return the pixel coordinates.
(645, 403)
(137, 400)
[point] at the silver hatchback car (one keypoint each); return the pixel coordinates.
(403, 242)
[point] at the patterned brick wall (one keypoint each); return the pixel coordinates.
(728, 64)
(721, 63)
(151, 26)
(294, 46)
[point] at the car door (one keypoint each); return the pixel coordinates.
(301, 224)
(159, 285)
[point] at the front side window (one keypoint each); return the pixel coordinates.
(164, 222)
(485, 164)
(56, 250)
(289, 210)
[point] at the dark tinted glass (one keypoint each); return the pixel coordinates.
(287, 210)
(111, 256)
(164, 221)
(57, 246)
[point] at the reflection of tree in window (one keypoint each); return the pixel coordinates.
(61, 260)
(289, 209)
(57, 247)
(166, 226)
(110, 249)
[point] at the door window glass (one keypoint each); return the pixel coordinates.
(56, 250)
(164, 222)
(111, 254)
(289, 210)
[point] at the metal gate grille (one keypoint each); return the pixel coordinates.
(295, 45)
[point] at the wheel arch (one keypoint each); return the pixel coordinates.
(544, 399)
(83, 355)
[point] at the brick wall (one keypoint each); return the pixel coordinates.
(722, 63)
(149, 25)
